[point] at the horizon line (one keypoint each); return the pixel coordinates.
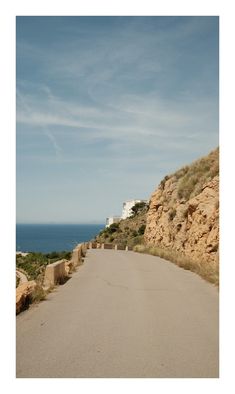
(60, 223)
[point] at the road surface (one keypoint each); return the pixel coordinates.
(122, 314)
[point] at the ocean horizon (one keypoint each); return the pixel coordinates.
(46, 238)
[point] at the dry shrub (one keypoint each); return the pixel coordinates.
(192, 179)
(38, 294)
(139, 248)
(208, 271)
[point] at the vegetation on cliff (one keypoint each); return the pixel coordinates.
(183, 218)
(208, 271)
(34, 264)
(128, 232)
(181, 222)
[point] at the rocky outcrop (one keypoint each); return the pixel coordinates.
(190, 225)
(23, 294)
(21, 276)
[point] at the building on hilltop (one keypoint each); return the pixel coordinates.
(112, 219)
(127, 205)
(126, 212)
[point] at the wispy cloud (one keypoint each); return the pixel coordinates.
(53, 140)
(129, 99)
(128, 117)
(26, 114)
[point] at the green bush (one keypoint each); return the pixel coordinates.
(141, 229)
(138, 208)
(34, 264)
(112, 228)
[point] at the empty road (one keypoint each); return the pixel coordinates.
(122, 314)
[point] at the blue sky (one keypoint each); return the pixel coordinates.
(106, 107)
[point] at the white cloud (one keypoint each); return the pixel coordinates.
(128, 117)
(119, 108)
(57, 148)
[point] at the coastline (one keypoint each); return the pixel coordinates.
(48, 238)
(22, 253)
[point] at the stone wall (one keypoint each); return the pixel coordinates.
(55, 273)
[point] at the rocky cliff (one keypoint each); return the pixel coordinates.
(183, 214)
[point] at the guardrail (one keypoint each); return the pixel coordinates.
(54, 273)
(57, 272)
(97, 245)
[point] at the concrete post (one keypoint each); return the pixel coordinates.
(115, 247)
(54, 273)
(126, 248)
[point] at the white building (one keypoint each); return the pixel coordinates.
(126, 208)
(112, 219)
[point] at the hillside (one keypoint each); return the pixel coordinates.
(183, 216)
(181, 222)
(127, 232)
(184, 210)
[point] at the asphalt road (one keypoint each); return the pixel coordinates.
(122, 314)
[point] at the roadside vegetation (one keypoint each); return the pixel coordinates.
(208, 271)
(192, 178)
(128, 232)
(34, 264)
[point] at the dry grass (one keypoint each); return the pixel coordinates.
(128, 232)
(39, 294)
(193, 177)
(208, 271)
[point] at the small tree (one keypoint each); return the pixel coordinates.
(142, 229)
(113, 228)
(138, 207)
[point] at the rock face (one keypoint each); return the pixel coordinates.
(23, 292)
(189, 225)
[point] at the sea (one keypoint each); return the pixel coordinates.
(46, 238)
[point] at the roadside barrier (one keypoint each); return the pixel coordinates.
(97, 245)
(57, 272)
